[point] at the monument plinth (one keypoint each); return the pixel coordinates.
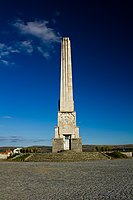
(66, 133)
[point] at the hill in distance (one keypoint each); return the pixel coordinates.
(86, 148)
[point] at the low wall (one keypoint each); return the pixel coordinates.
(3, 156)
(128, 154)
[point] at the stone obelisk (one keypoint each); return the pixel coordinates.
(66, 133)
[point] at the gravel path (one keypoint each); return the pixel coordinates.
(108, 179)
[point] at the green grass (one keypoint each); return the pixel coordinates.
(21, 157)
(117, 154)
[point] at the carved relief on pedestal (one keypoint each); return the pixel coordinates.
(66, 118)
(66, 129)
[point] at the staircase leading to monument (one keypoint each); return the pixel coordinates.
(67, 156)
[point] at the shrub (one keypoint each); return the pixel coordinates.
(21, 157)
(117, 154)
(12, 156)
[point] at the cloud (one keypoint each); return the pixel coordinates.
(11, 139)
(2, 139)
(8, 64)
(18, 47)
(43, 52)
(2, 46)
(41, 140)
(5, 52)
(25, 46)
(15, 139)
(34, 36)
(42, 37)
(5, 62)
(57, 14)
(20, 140)
(38, 29)
(6, 117)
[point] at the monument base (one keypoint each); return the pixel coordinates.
(58, 145)
(76, 144)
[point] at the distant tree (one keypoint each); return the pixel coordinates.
(97, 148)
(108, 148)
(29, 150)
(26, 150)
(102, 148)
(34, 150)
(22, 150)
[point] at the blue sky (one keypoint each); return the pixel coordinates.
(101, 39)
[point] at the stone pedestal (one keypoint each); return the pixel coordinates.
(58, 145)
(76, 145)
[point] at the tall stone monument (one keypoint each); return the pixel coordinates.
(66, 133)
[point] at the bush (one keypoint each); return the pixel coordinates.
(117, 154)
(103, 148)
(21, 157)
(12, 156)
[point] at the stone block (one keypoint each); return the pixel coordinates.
(76, 144)
(57, 145)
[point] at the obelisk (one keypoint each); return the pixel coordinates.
(66, 88)
(66, 133)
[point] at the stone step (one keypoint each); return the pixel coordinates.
(66, 156)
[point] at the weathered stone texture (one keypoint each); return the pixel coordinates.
(57, 145)
(76, 144)
(66, 87)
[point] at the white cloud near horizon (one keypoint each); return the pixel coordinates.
(23, 141)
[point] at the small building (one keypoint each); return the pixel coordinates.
(17, 151)
(128, 154)
(6, 154)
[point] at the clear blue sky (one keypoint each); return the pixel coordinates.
(102, 46)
